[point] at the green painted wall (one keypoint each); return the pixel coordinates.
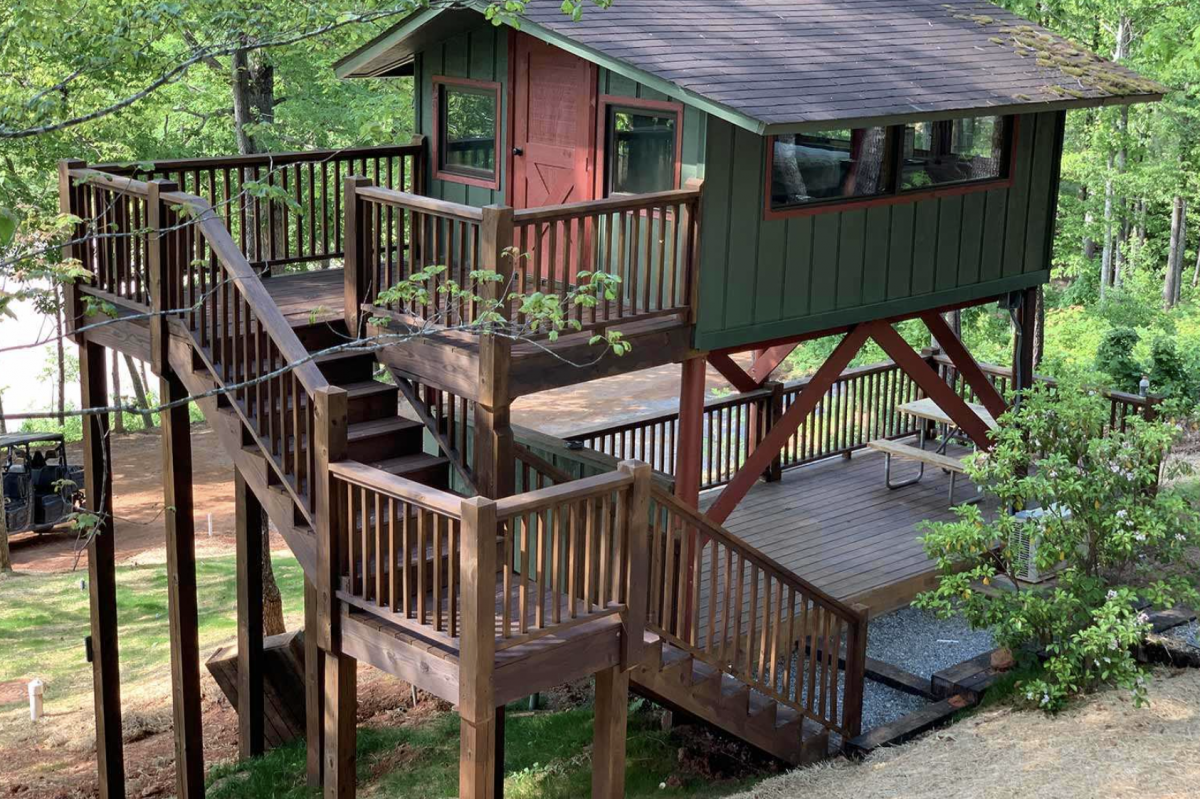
(762, 280)
(480, 53)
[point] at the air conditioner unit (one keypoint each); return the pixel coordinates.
(1023, 547)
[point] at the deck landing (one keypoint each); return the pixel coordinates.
(835, 524)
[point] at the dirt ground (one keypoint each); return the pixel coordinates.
(63, 766)
(1103, 748)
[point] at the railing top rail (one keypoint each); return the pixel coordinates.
(109, 180)
(510, 507)
(225, 250)
(430, 205)
(611, 205)
(780, 572)
(391, 485)
(1006, 372)
(260, 159)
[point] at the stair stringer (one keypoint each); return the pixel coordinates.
(689, 686)
(225, 422)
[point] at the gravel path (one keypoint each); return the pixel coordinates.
(1189, 633)
(922, 643)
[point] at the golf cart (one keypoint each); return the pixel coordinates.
(40, 488)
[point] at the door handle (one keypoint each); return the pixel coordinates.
(518, 151)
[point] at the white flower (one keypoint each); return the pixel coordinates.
(1114, 644)
(1029, 695)
(1112, 594)
(1142, 618)
(1122, 513)
(1180, 537)
(1045, 699)
(1139, 537)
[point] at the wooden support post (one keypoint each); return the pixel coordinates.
(1022, 368)
(495, 459)
(856, 666)
(102, 582)
(314, 687)
(478, 764)
(341, 707)
(608, 747)
(638, 563)
(68, 203)
(158, 255)
(360, 266)
(761, 458)
(689, 458)
(249, 535)
(181, 590)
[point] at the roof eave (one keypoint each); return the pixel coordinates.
(348, 66)
(805, 126)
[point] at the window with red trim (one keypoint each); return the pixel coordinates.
(832, 168)
(466, 131)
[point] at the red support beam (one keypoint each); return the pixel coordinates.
(736, 376)
(688, 463)
(988, 396)
(760, 459)
(767, 361)
(915, 367)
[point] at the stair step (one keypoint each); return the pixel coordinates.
(347, 366)
(384, 439)
(431, 470)
(369, 400)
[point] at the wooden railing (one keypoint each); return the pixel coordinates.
(648, 241)
(190, 273)
(273, 233)
(394, 235)
(1122, 405)
(560, 556)
(860, 407)
(731, 606)
(573, 553)
(398, 548)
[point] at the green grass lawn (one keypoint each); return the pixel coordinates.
(44, 619)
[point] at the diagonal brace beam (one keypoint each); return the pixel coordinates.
(782, 430)
(958, 353)
(934, 386)
(730, 370)
(769, 361)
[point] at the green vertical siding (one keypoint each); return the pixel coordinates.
(762, 280)
(480, 54)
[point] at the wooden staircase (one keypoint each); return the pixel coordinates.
(673, 677)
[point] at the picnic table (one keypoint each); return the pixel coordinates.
(928, 410)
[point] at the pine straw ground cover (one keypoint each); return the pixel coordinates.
(1101, 747)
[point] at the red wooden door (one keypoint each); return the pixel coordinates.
(554, 127)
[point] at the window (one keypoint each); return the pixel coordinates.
(642, 149)
(953, 151)
(830, 166)
(812, 170)
(467, 119)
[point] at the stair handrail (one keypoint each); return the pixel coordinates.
(821, 649)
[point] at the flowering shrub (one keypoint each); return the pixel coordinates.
(1115, 534)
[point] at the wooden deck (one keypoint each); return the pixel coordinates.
(837, 525)
(308, 297)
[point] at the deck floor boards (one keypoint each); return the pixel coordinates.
(835, 524)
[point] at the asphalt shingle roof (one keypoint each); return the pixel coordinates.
(792, 62)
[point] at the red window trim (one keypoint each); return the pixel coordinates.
(898, 198)
(437, 82)
(607, 100)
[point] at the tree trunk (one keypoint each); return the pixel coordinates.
(3, 423)
(139, 391)
(272, 598)
(1106, 259)
(1176, 252)
(61, 355)
(118, 417)
(1089, 244)
(1039, 328)
(1111, 264)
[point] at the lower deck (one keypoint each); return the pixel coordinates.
(837, 525)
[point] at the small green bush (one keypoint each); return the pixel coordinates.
(1115, 531)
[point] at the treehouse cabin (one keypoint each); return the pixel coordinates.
(755, 175)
